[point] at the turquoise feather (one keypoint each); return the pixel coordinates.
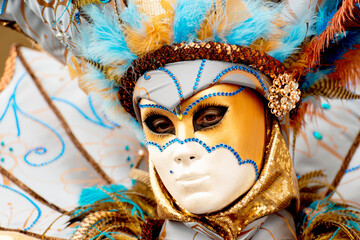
(189, 15)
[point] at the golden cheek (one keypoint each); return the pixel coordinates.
(242, 128)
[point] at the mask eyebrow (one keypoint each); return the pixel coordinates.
(156, 106)
(215, 94)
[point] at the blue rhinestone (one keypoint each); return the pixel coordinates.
(210, 95)
(201, 99)
(205, 96)
(2, 143)
(217, 146)
(317, 135)
(219, 93)
(222, 94)
(131, 165)
(221, 145)
(226, 94)
(11, 149)
(204, 145)
(213, 148)
(196, 83)
(2, 159)
(325, 106)
(200, 142)
(128, 158)
(197, 101)
(171, 172)
(201, 68)
(185, 140)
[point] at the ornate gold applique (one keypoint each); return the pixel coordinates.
(283, 96)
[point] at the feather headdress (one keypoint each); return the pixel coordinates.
(316, 43)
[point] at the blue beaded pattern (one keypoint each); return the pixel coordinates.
(234, 68)
(317, 135)
(207, 148)
(325, 106)
(31, 201)
(155, 106)
(177, 84)
(146, 76)
(198, 76)
(352, 169)
(77, 17)
(227, 94)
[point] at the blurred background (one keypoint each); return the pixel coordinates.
(7, 38)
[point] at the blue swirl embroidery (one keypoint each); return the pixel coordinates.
(3, 7)
(207, 148)
(227, 94)
(234, 68)
(31, 201)
(37, 150)
(97, 121)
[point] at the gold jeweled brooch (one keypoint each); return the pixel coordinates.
(284, 94)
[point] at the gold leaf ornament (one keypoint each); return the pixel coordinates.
(283, 95)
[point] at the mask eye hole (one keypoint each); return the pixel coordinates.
(160, 124)
(208, 117)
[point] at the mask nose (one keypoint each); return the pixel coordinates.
(185, 154)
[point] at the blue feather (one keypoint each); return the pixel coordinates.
(93, 194)
(296, 34)
(189, 15)
(132, 17)
(324, 206)
(338, 48)
(312, 77)
(259, 25)
(107, 39)
(90, 195)
(323, 18)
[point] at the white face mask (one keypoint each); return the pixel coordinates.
(211, 156)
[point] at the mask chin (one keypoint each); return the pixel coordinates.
(214, 178)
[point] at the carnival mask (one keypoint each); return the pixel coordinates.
(211, 155)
